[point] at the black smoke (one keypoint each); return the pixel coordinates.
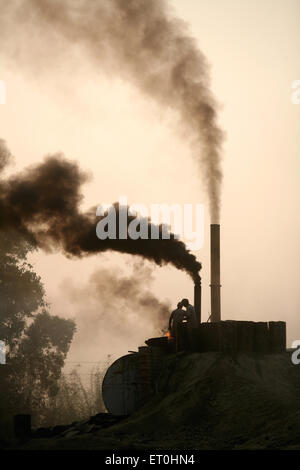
(43, 203)
(141, 41)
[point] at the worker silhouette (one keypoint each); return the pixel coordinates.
(190, 325)
(176, 318)
(190, 313)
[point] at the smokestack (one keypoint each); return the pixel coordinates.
(197, 300)
(215, 286)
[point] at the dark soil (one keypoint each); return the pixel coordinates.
(203, 401)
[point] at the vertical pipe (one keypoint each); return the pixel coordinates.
(197, 300)
(215, 286)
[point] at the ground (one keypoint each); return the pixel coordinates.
(205, 401)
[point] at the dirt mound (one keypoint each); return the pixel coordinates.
(221, 401)
(208, 401)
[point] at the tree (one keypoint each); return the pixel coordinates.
(38, 363)
(37, 342)
(21, 290)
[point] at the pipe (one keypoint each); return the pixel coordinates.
(215, 286)
(197, 300)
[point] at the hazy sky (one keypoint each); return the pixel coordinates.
(132, 146)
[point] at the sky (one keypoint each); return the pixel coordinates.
(132, 146)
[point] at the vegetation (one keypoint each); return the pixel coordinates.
(37, 342)
(75, 401)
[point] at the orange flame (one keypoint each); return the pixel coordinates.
(168, 334)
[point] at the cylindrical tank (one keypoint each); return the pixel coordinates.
(127, 383)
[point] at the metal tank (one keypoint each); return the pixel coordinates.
(131, 380)
(127, 384)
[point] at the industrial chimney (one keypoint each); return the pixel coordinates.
(215, 287)
(197, 300)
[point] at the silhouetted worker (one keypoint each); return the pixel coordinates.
(176, 318)
(191, 323)
(190, 313)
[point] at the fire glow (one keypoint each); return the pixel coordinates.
(168, 335)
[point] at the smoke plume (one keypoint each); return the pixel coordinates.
(113, 310)
(42, 203)
(112, 292)
(142, 42)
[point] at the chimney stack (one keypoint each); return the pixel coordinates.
(197, 300)
(215, 286)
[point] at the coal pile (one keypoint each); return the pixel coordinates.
(92, 425)
(202, 401)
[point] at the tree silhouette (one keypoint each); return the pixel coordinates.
(36, 342)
